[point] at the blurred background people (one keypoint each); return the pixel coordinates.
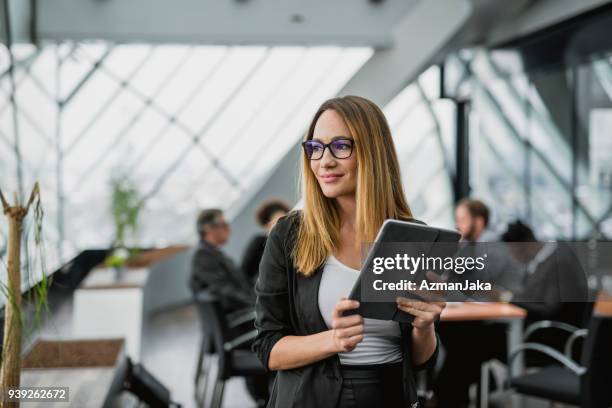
(472, 220)
(484, 340)
(213, 270)
(267, 214)
(554, 286)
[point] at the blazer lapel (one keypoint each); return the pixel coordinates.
(308, 301)
(312, 321)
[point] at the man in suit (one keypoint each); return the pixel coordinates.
(555, 285)
(213, 270)
(216, 272)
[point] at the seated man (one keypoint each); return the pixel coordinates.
(555, 285)
(213, 270)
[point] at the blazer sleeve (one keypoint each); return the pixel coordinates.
(431, 361)
(272, 306)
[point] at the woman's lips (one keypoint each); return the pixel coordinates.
(329, 178)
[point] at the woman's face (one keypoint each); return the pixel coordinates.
(337, 177)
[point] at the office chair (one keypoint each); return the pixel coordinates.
(232, 360)
(146, 388)
(203, 365)
(585, 384)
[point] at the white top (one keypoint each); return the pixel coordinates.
(381, 341)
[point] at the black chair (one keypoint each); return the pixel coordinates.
(586, 384)
(207, 349)
(232, 360)
(142, 384)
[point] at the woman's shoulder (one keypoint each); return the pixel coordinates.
(287, 225)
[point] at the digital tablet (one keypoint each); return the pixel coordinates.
(394, 231)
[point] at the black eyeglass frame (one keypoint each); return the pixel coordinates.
(326, 145)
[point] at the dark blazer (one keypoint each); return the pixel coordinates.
(212, 270)
(556, 290)
(252, 256)
(287, 304)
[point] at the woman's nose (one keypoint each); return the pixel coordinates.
(328, 159)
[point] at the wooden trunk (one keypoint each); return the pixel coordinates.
(11, 364)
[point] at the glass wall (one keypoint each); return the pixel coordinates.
(540, 146)
(190, 126)
(423, 127)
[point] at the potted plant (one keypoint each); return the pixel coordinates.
(126, 204)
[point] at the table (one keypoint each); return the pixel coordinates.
(603, 304)
(108, 307)
(491, 311)
(507, 313)
(92, 370)
(111, 305)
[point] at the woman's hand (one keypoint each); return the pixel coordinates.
(424, 334)
(347, 331)
(425, 313)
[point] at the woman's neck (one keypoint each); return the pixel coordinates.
(348, 210)
(348, 250)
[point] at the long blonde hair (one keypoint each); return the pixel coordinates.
(379, 193)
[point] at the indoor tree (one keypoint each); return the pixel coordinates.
(16, 213)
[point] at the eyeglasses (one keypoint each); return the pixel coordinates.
(339, 148)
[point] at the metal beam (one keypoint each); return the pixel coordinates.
(88, 75)
(268, 23)
(461, 180)
(14, 111)
(107, 104)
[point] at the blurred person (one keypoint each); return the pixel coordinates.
(484, 340)
(472, 220)
(554, 282)
(213, 270)
(267, 214)
(553, 287)
(323, 358)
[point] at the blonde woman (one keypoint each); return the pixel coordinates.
(351, 184)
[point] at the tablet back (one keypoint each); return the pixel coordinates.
(394, 231)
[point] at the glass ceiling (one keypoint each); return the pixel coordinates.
(191, 126)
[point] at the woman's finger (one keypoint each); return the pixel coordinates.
(427, 315)
(344, 305)
(413, 311)
(350, 331)
(433, 306)
(351, 342)
(348, 321)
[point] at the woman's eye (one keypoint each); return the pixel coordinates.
(316, 148)
(343, 146)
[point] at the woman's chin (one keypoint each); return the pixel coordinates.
(334, 192)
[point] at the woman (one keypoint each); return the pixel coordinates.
(351, 183)
(267, 214)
